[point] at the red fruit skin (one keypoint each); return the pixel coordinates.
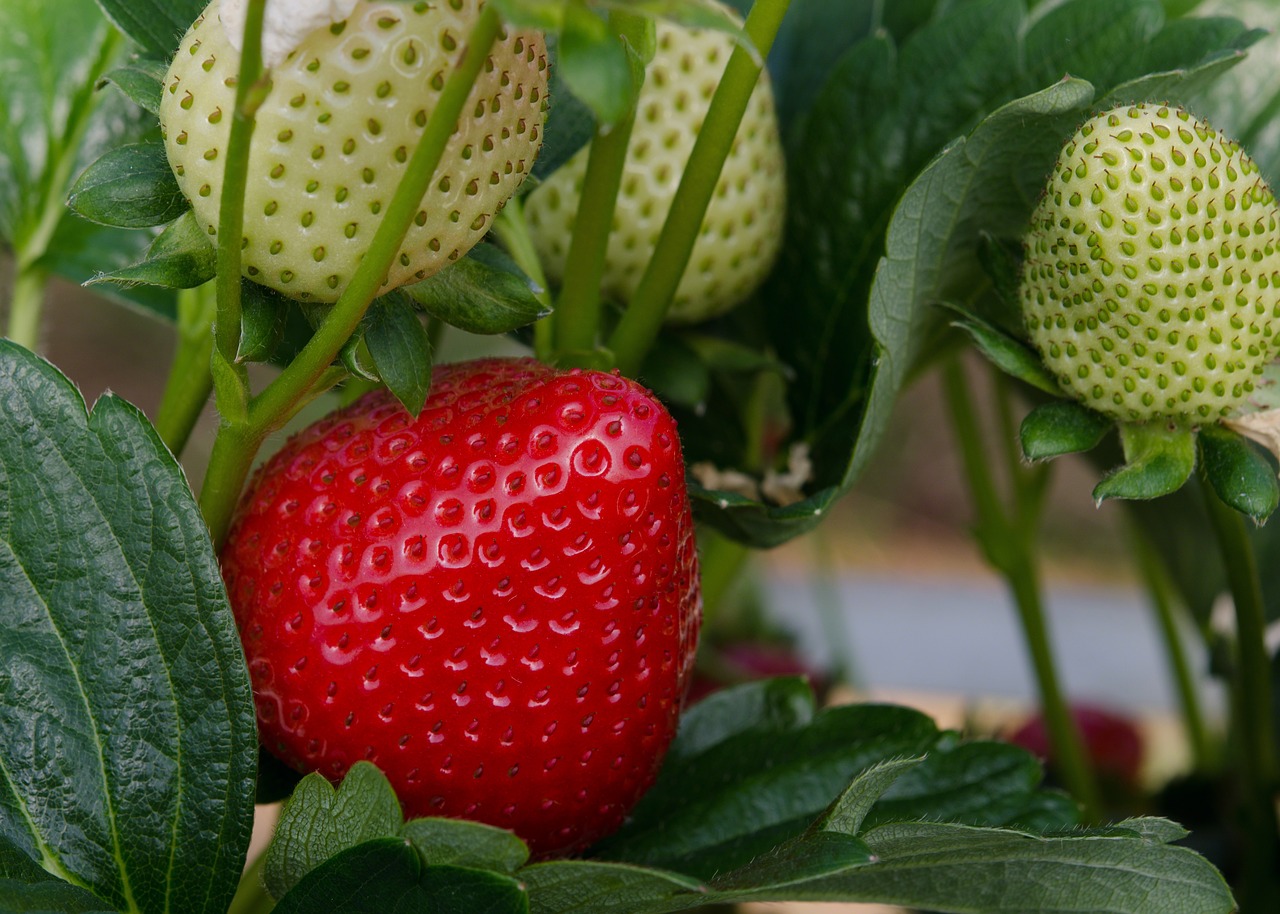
(1112, 741)
(496, 603)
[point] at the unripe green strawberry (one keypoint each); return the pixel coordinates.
(742, 229)
(336, 131)
(1151, 284)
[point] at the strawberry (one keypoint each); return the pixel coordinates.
(1151, 285)
(497, 603)
(333, 137)
(1114, 743)
(742, 230)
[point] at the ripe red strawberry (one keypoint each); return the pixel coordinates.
(496, 603)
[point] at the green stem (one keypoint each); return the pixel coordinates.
(190, 376)
(721, 562)
(251, 895)
(1251, 686)
(251, 87)
(512, 231)
(642, 320)
(311, 371)
(1007, 539)
(1162, 600)
(578, 310)
(26, 306)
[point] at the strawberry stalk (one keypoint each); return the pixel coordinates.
(512, 230)
(190, 379)
(1251, 700)
(640, 323)
(311, 373)
(1007, 537)
(577, 318)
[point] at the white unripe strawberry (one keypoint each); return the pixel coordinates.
(742, 230)
(333, 138)
(1151, 285)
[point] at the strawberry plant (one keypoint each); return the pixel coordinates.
(451, 620)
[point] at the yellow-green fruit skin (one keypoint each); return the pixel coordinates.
(334, 136)
(1151, 284)
(742, 230)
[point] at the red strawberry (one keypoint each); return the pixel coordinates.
(496, 603)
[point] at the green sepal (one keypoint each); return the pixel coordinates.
(264, 314)
(1243, 478)
(400, 348)
(458, 842)
(181, 257)
(231, 388)
(484, 292)
(129, 187)
(1061, 427)
(142, 81)
(1011, 356)
(1158, 457)
(595, 64)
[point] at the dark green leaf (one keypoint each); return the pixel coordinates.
(141, 81)
(975, 783)
(386, 876)
(1159, 459)
(127, 728)
(318, 822)
(276, 780)
(1062, 427)
(181, 257)
(1011, 356)
(717, 810)
(947, 867)
(672, 369)
(586, 887)
(814, 854)
(1093, 40)
(49, 898)
(1243, 478)
(594, 64)
(154, 25)
(460, 843)
(130, 187)
(483, 292)
(400, 349)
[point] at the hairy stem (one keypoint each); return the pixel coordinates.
(636, 332)
(1007, 539)
(578, 310)
(26, 306)
(190, 375)
(1251, 702)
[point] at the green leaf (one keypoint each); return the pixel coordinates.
(1243, 478)
(538, 14)
(156, 26)
(1011, 356)
(948, 867)
(461, 843)
(1159, 459)
(130, 187)
(49, 898)
(975, 783)
(588, 887)
(181, 257)
(594, 64)
(850, 809)
(319, 822)
(484, 292)
(570, 126)
(127, 733)
(1062, 427)
(1093, 40)
(264, 319)
(54, 52)
(400, 349)
(386, 876)
(141, 80)
(717, 810)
